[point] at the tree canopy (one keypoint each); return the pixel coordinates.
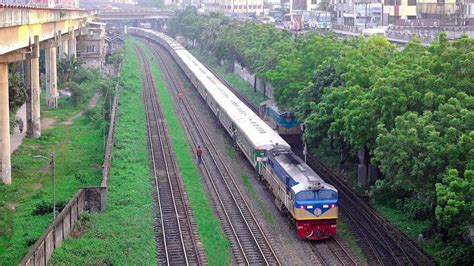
(411, 108)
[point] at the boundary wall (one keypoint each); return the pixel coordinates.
(90, 199)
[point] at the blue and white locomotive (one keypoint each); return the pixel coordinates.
(284, 122)
(298, 190)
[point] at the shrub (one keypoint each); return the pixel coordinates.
(416, 208)
(388, 192)
(78, 92)
(47, 207)
(85, 74)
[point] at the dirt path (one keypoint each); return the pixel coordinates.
(17, 138)
(92, 104)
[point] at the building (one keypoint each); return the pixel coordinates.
(442, 12)
(368, 14)
(395, 10)
(344, 12)
(312, 5)
(91, 46)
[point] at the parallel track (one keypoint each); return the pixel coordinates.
(384, 243)
(176, 236)
(332, 252)
(248, 241)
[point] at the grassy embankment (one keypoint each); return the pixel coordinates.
(124, 233)
(25, 205)
(234, 79)
(209, 228)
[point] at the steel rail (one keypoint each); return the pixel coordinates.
(166, 149)
(225, 171)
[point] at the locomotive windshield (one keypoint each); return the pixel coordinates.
(305, 195)
(316, 195)
(327, 194)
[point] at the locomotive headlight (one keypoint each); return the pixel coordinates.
(309, 207)
(326, 206)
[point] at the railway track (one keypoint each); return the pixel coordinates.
(332, 252)
(388, 244)
(383, 243)
(249, 243)
(176, 234)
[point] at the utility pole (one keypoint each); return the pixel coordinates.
(53, 173)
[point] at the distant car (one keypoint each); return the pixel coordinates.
(374, 31)
(267, 20)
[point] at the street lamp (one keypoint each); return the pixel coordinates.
(52, 163)
(53, 174)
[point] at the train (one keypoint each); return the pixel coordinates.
(282, 121)
(298, 190)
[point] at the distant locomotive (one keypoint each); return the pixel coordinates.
(298, 190)
(284, 122)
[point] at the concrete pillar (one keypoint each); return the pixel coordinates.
(65, 47)
(47, 68)
(4, 126)
(60, 49)
(51, 77)
(33, 101)
(72, 44)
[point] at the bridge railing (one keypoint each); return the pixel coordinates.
(10, 17)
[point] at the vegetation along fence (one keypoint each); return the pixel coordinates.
(91, 199)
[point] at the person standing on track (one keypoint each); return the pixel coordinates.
(199, 154)
(20, 125)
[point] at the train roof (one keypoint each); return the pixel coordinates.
(306, 178)
(258, 132)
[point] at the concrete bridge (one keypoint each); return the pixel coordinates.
(23, 32)
(133, 14)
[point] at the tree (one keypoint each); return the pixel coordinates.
(67, 67)
(78, 92)
(16, 94)
(412, 152)
(455, 203)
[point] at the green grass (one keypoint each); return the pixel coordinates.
(124, 233)
(228, 147)
(412, 228)
(234, 79)
(66, 108)
(79, 153)
(253, 195)
(209, 228)
(344, 232)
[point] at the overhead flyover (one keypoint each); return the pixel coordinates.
(19, 24)
(24, 31)
(133, 14)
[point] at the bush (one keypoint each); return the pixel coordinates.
(458, 252)
(95, 116)
(416, 208)
(84, 75)
(47, 207)
(388, 193)
(78, 92)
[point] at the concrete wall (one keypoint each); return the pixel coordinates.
(91, 199)
(86, 199)
(263, 87)
(244, 73)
